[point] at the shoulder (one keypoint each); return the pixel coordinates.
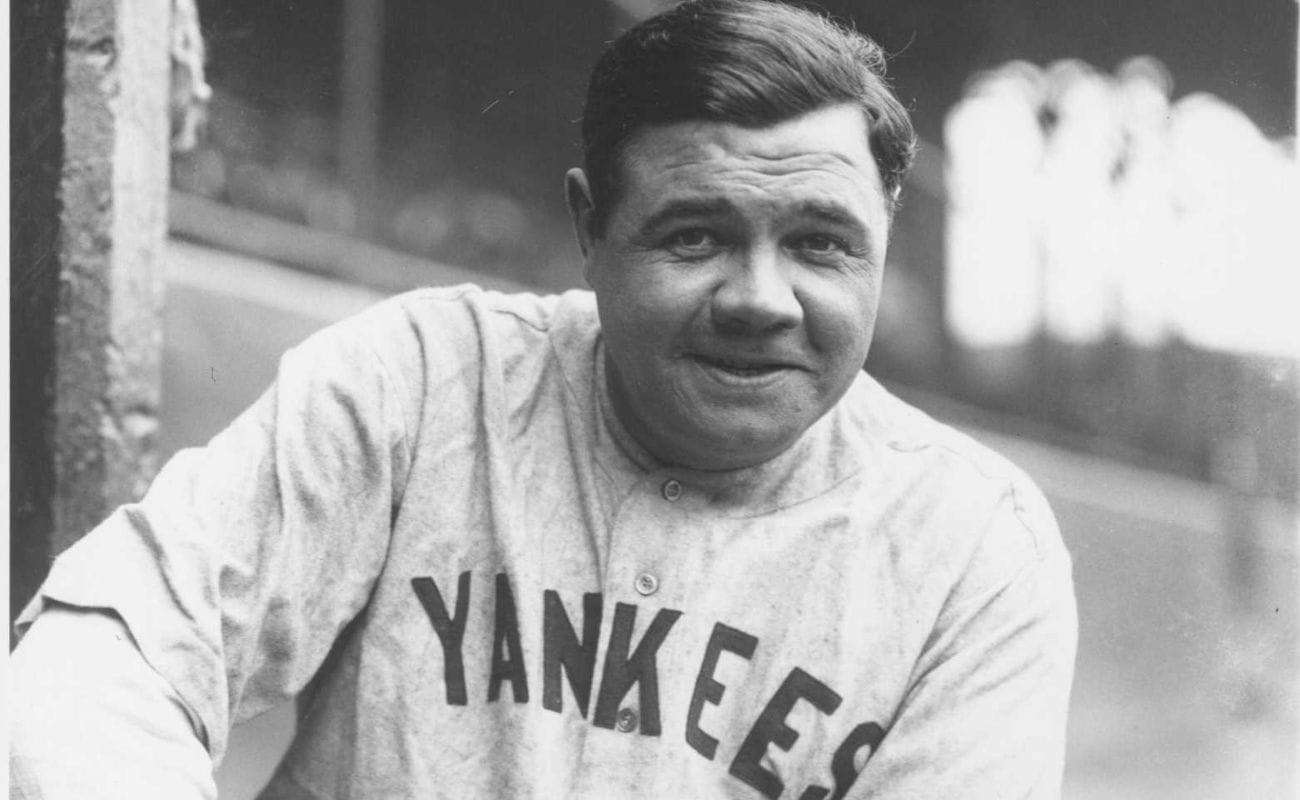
(461, 323)
(943, 470)
(449, 349)
(449, 310)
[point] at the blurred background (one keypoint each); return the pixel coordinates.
(1095, 271)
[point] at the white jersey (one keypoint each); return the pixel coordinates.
(434, 524)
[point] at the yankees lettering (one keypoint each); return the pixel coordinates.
(624, 667)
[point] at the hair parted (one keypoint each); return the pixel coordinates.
(753, 63)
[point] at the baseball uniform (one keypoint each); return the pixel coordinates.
(434, 526)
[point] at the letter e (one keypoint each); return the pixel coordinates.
(770, 728)
(707, 689)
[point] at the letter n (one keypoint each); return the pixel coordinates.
(562, 650)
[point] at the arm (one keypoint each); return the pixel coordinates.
(230, 581)
(94, 720)
(985, 715)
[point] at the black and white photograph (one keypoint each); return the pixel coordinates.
(654, 400)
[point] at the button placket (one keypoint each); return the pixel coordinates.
(644, 527)
(646, 584)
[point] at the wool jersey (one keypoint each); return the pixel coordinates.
(434, 531)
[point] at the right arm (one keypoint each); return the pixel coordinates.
(93, 720)
(220, 594)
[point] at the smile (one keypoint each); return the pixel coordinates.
(740, 368)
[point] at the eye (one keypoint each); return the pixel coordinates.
(820, 244)
(692, 242)
(691, 237)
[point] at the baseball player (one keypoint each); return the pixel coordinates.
(665, 539)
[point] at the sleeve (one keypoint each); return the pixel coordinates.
(985, 714)
(122, 733)
(246, 558)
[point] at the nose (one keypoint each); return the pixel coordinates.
(756, 294)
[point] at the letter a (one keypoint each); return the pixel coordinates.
(507, 666)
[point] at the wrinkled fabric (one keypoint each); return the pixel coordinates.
(91, 720)
(435, 529)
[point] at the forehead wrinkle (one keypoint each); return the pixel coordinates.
(770, 164)
(799, 191)
(736, 179)
(798, 158)
(734, 187)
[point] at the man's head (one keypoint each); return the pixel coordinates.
(751, 63)
(734, 219)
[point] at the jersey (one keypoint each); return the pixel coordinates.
(434, 528)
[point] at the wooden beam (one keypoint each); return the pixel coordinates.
(88, 286)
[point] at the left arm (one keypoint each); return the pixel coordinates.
(985, 713)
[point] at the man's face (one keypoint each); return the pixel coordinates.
(737, 280)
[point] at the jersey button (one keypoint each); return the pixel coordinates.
(671, 490)
(646, 584)
(626, 721)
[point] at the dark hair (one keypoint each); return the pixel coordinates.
(747, 62)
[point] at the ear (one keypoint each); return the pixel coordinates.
(577, 193)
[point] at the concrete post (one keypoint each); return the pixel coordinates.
(86, 290)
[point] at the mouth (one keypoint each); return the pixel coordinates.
(742, 368)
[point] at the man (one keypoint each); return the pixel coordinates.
(669, 541)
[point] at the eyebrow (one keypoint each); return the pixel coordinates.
(828, 212)
(687, 207)
(835, 214)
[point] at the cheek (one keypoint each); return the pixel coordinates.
(642, 328)
(659, 303)
(840, 320)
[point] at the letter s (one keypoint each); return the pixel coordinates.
(867, 734)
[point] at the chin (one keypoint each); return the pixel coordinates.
(739, 448)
